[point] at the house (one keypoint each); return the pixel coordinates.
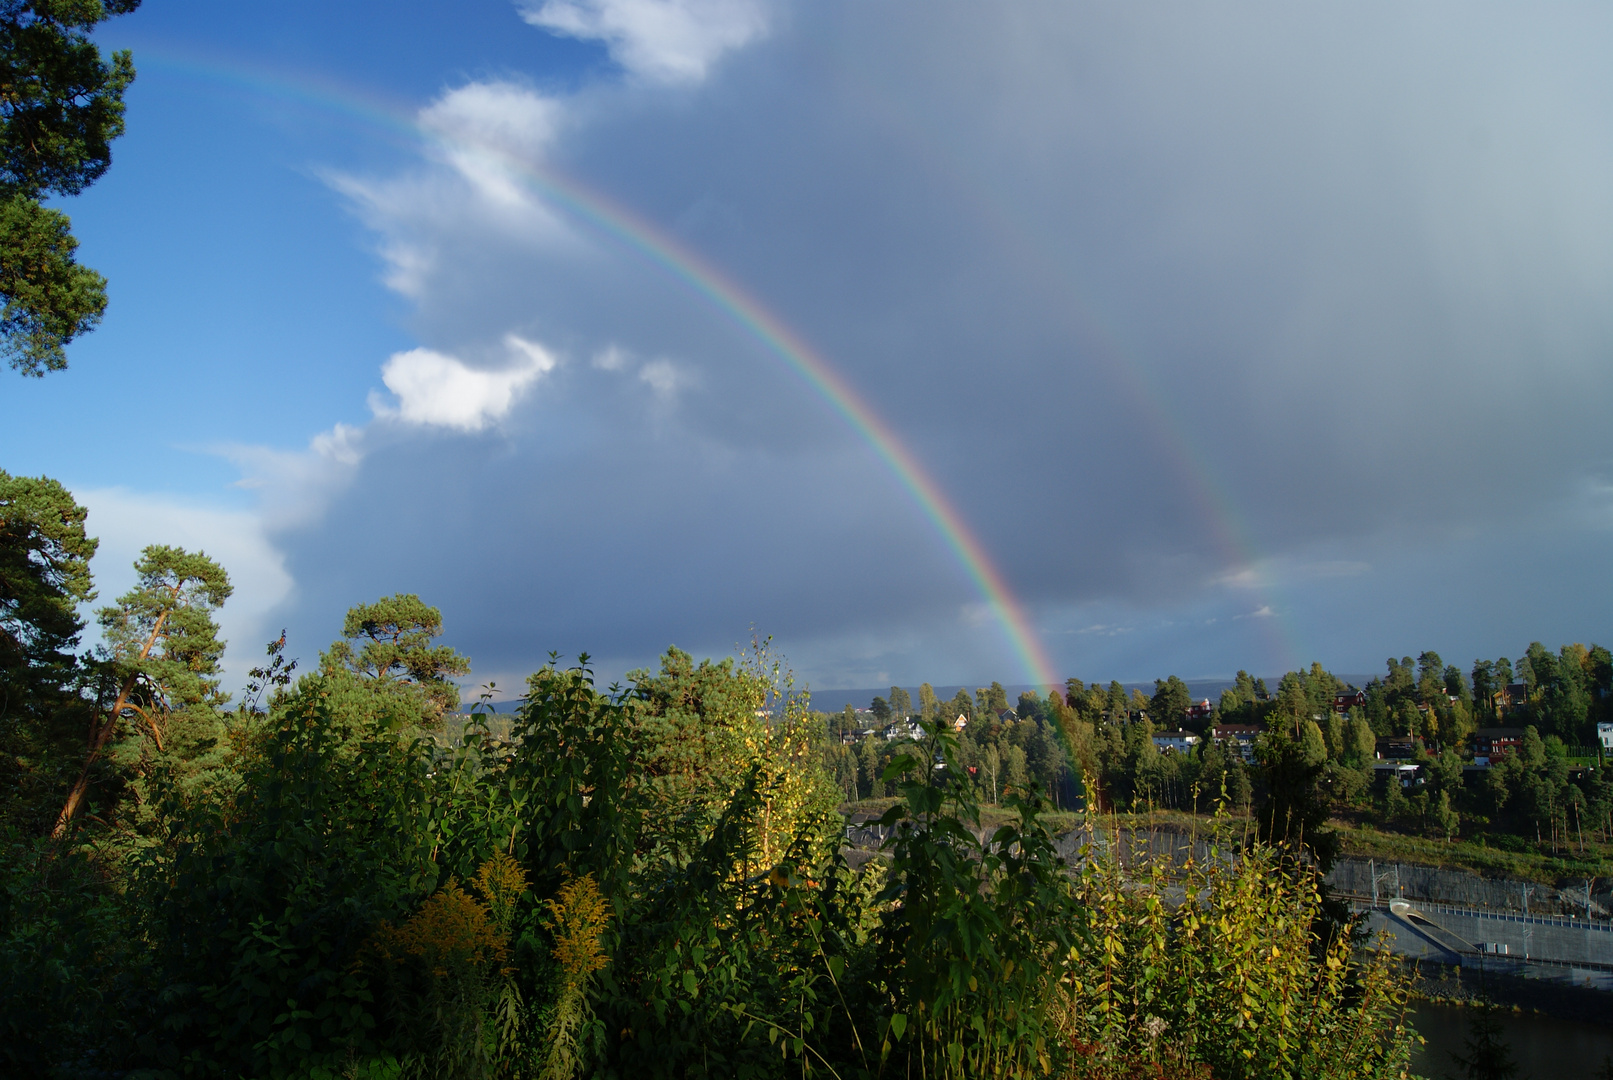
(1403, 772)
(1604, 735)
(903, 729)
(1175, 742)
(1200, 711)
(1006, 716)
(1241, 735)
(1345, 700)
(1494, 742)
(1398, 747)
(1515, 696)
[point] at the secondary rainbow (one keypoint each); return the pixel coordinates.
(640, 236)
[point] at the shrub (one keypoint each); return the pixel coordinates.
(262, 899)
(1217, 963)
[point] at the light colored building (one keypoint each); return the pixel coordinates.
(1175, 742)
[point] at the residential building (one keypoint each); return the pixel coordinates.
(1494, 742)
(1242, 736)
(1201, 711)
(1604, 735)
(1398, 747)
(1345, 700)
(1404, 772)
(1175, 742)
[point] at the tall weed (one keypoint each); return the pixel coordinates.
(1217, 965)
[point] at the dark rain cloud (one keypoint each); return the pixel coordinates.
(1159, 294)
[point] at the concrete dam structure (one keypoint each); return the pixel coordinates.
(1573, 951)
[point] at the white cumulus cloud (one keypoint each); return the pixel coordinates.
(436, 389)
(294, 487)
(485, 130)
(665, 41)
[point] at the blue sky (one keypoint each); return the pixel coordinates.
(1240, 337)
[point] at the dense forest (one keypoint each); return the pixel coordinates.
(345, 873)
(1550, 790)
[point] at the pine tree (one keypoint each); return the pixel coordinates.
(63, 106)
(163, 652)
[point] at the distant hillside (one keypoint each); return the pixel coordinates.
(835, 700)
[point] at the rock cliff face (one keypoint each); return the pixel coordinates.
(1463, 888)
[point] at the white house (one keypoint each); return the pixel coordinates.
(1175, 742)
(1604, 735)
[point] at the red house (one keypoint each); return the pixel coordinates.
(1345, 699)
(1494, 742)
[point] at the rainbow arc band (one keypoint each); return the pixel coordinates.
(647, 241)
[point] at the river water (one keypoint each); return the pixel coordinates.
(1543, 1047)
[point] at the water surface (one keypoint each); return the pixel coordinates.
(1544, 1047)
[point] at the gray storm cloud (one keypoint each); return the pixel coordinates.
(1159, 294)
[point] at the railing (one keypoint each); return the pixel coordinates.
(1507, 958)
(1486, 913)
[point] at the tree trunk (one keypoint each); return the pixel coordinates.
(100, 733)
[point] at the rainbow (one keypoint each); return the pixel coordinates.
(820, 376)
(628, 229)
(1107, 345)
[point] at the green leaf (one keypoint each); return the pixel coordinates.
(900, 766)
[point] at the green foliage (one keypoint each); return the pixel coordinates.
(974, 931)
(1293, 817)
(650, 881)
(62, 108)
(448, 1004)
(1168, 707)
(72, 976)
(160, 657)
(262, 899)
(44, 576)
(396, 654)
(1231, 977)
(49, 298)
(161, 637)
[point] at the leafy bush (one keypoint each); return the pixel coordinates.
(974, 931)
(1217, 963)
(261, 901)
(442, 977)
(72, 976)
(650, 883)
